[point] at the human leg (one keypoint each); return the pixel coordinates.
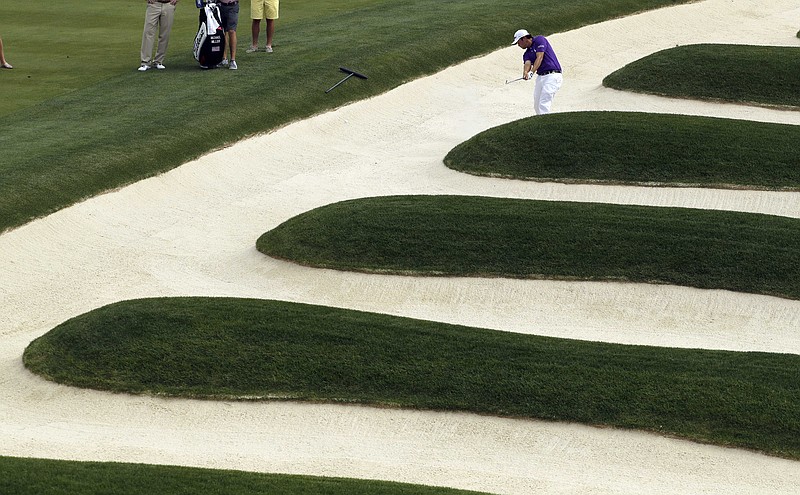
(256, 13)
(151, 16)
(537, 94)
(3, 62)
(256, 28)
(270, 32)
(551, 83)
(232, 44)
(164, 28)
(271, 8)
(231, 23)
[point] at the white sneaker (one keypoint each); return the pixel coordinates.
(233, 65)
(252, 49)
(224, 63)
(160, 66)
(143, 67)
(269, 49)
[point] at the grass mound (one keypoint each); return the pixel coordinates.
(479, 236)
(734, 73)
(20, 476)
(636, 148)
(228, 348)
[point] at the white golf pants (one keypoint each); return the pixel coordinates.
(545, 90)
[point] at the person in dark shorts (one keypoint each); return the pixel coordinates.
(230, 19)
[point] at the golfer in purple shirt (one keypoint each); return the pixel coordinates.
(539, 57)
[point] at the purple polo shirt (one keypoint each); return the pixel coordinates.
(549, 62)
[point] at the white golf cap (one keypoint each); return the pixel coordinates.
(521, 33)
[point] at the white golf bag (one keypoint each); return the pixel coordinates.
(209, 44)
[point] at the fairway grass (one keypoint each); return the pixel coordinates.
(636, 149)
(223, 348)
(495, 237)
(20, 476)
(733, 73)
(111, 125)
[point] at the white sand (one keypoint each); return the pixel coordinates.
(192, 232)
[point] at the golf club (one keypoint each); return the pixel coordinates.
(530, 76)
(350, 73)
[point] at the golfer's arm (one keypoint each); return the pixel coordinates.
(538, 61)
(526, 69)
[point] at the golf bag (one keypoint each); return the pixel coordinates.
(209, 44)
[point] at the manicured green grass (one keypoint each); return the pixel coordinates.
(20, 476)
(61, 59)
(103, 124)
(227, 348)
(478, 236)
(52, 57)
(762, 75)
(636, 148)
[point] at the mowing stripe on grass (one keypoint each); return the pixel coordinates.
(227, 348)
(636, 148)
(479, 236)
(763, 75)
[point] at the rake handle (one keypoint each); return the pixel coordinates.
(340, 82)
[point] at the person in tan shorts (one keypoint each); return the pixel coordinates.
(263, 9)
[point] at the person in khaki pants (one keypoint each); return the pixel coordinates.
(158, 17)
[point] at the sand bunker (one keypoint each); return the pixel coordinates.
(152, 239)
